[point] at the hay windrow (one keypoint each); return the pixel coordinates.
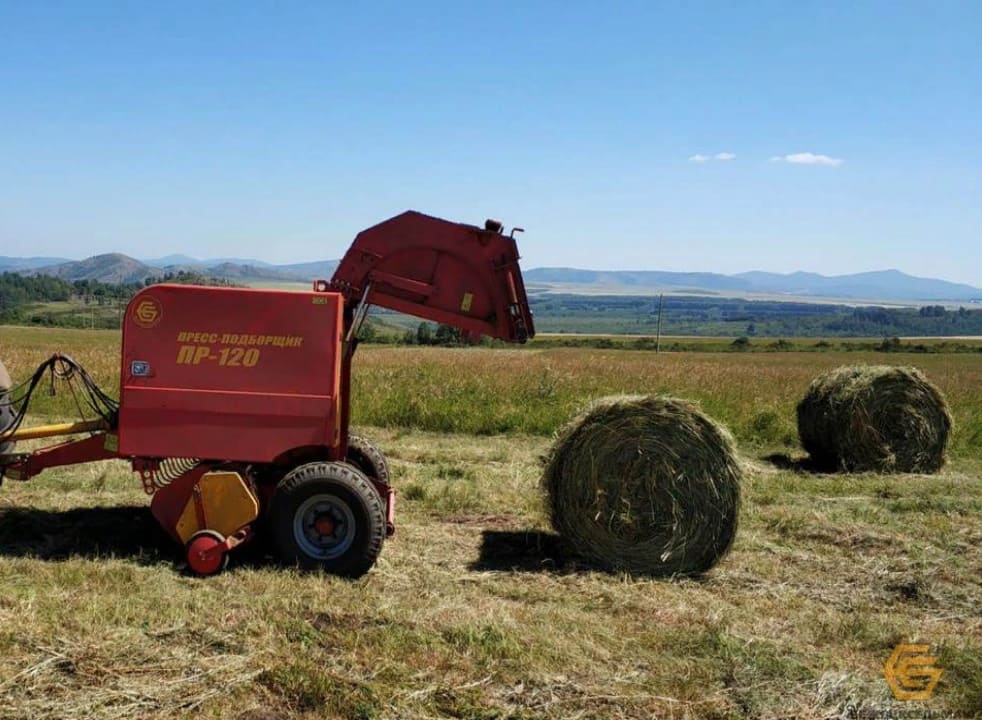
(875, 418)
(646, 485)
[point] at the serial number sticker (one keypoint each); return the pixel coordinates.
(226, 357)
(465, 304)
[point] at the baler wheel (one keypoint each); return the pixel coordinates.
(368, 458)
(203, 555)
(328, 515)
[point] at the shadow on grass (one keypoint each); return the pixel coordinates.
(123, 531)
(117, 531)
(806, 464)
(522, 551)
(534, 551)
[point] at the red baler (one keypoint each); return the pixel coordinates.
(234, 403)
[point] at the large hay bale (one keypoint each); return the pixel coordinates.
(874, 418)
(644, 484)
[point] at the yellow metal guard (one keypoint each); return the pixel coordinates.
(221, 501)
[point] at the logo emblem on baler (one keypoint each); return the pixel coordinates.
(148, 312)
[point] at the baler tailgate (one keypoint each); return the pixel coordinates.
(450, 273)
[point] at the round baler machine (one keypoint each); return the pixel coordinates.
(234, 403)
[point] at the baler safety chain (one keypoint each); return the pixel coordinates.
(60, 367)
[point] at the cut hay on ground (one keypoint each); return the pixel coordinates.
(875, 418)
(646, 485)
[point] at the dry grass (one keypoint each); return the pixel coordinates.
(472, 612)
(528, 391)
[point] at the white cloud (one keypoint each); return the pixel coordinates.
(807, 158)
(723, 156)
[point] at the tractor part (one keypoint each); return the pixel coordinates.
(6, 420)
(7, 414)
(328, 515)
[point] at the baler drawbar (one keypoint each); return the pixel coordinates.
(234, 403)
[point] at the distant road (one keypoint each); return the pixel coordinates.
(945, 337)
(730, 337)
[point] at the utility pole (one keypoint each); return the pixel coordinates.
(661, 300)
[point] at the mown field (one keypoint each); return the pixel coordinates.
(473, 610)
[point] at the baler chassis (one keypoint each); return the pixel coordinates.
(225, 426)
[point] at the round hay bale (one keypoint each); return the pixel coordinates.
(875, 418)
(646, 485)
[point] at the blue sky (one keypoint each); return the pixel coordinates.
(278, 130)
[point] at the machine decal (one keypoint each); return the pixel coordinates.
(225, 357)
(140, 368)
(239, 350)
(283, 341)
(148, 312)
(465, 304)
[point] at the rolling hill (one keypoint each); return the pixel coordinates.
(109, 268)
(884, 285)
(17, 264)
(117, 268)
(881, 285)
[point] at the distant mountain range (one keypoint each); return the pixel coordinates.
(119, 268)
(16, 264)
(884, 285)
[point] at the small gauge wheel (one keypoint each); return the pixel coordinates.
(202, 554)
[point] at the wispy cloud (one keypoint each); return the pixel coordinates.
(807, 158)
(723, 156)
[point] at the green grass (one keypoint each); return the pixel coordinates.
(473, 610)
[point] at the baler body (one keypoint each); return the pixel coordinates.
(229, 373)
(235, 403)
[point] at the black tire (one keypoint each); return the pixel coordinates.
(339, 495)
(367, 458)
